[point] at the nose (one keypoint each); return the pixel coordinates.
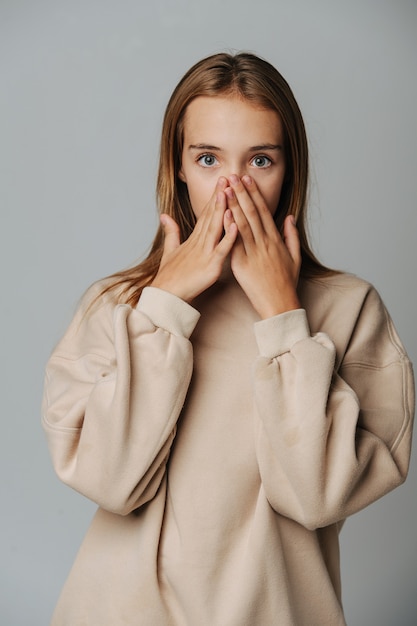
(238, 170)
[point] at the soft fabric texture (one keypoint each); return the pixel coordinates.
(224, 452)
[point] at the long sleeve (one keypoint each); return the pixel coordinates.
(333, 424)
(114, 388)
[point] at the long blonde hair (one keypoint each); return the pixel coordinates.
(257, 81)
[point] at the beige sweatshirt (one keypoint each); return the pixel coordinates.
(224, 451)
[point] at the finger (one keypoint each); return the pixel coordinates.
(265, 214)
(209, 227)
(211, 204)
(244, 228)
(251, 205)
(171, 232)
(292, 239)
(213, 209)
(231, 232)
(214, 224)
(227, 219)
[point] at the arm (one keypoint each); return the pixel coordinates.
(331, 442)
(115, 386)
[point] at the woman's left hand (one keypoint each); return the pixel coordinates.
(266, 265)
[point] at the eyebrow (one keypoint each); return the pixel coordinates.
(264, 146)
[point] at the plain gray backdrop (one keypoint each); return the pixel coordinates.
(83, 88)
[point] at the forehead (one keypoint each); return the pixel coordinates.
(209, 117)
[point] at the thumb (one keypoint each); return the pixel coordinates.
(171, 232)
(291, 239)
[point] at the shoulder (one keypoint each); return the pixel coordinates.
(341, 305)
(91, 328)
(338, 285)
(351, 311)
(101, 293)
(340, 292)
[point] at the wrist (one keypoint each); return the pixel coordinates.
(173, 289)
(271, 309)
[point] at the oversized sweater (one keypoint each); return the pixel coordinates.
(224, 451)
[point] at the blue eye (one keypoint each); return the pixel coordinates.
(261, 161)
(207, 160)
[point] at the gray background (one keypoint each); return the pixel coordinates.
(83, 89)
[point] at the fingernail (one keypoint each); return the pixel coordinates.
(247, 179)
(234, 179)
(229, 193)
(222, 181)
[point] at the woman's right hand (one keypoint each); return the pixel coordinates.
(189, 268)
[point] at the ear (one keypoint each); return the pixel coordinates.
(181, 176)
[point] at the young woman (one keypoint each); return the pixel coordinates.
(229, 401)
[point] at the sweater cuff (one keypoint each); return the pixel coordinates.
(168, 311)
(278, 334)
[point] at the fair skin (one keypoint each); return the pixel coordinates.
(233, 164)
